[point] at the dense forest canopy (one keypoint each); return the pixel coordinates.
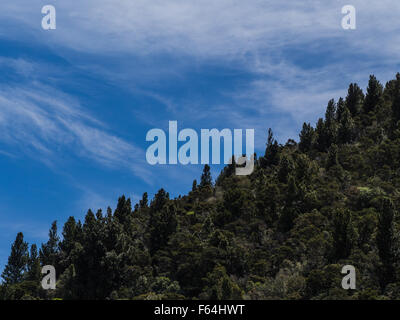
(284, 232)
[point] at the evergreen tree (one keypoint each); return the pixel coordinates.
(306, 138)
(291, 210)
(194, 186)
(17, 261)
(373, 98)
(123, 212)
(206, 180)
(160, 199)
(341, 105)
(321, 138)
(330, 113)
(33, 267)
(90, 260)
(330, 127)
(285, 168)
(144, 203)
(332, 157)
(72, 237)
(50, 250)
(354, 99)
(346, 131)
(162, 224)
(271, 156)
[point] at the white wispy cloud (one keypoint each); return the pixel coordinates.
(207, 28)
(45, 123)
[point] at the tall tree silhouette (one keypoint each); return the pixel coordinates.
(17, 261)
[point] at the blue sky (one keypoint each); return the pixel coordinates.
(76, 102)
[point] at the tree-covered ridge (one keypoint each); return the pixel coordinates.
(284, 232)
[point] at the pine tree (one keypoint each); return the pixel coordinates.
(71, 236)
(321, 141)
(89, 261)
(307, 137)
(285, 168)
(346, 131)
(206, 180)
(271, 156)
(332, 157)
(49, 252)
(160, 199)
(373, 98)
(194, 186)
(33, 267)
(354, 99)
(330, 113)
(162, 224)
(17, 261)
(144, 203)
(330, 127)
(123, 212)
(341, 105)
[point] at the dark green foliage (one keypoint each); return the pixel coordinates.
(396, 101)
(332, 156)
(385, 240)
(160, 199)
(347, 128)
(271, 156)
(220, 287)
(307, 137)
(16, 265)
(321, 137)
(283, 232)
(49, 251)
(373, 98)
(341, 105)
(144, 203)
(285, 169)
(343, 234)
(194, 186)
(163, 223)
(33, 265)
(124, 210)
(206, 180)
(354, 99)
(328, 130)
(330, 114)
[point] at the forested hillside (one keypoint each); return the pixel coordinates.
(284, 232)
